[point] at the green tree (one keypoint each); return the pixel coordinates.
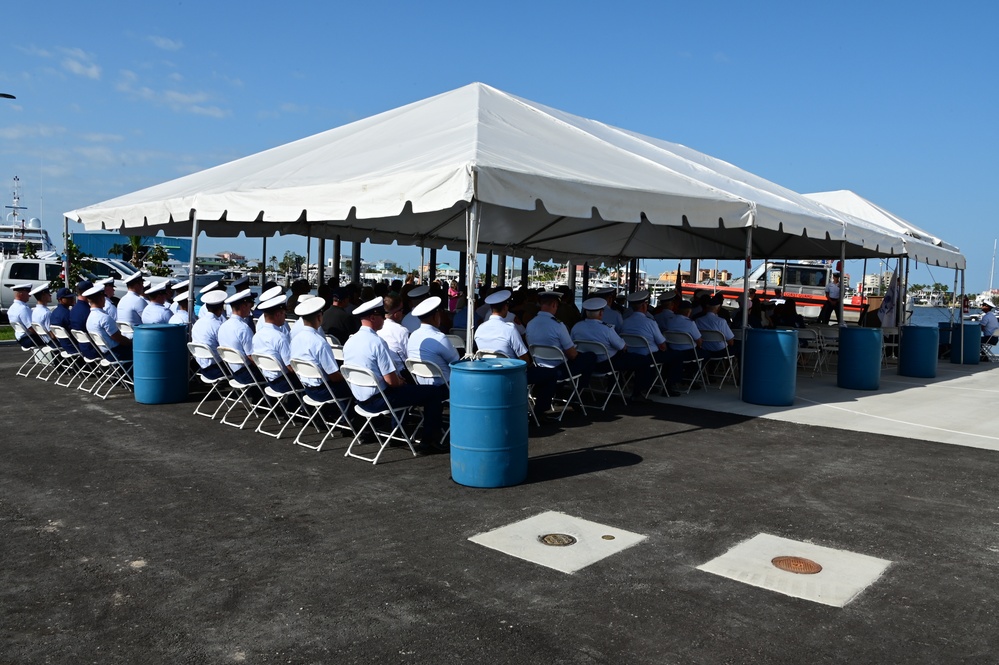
(158, 256)
(29, 251)
(76, 272)
(273, 262)
(291, 262)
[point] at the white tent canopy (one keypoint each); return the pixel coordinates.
(545, 183)
(919, 244)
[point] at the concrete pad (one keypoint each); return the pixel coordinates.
(844, 575)
(523, 540)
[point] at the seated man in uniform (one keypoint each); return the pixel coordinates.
(648, 328)
(79, 314)
(544, 329)
(337, 321)
(396, 335)
(310, 344)
(155, 310)
(711, 321)
(366, 349)
(428, 343)
(19, 312)
(179, 316)
(99, 323)
(593, 329)
(667, 309)
(41, 314)
(271, 339)
(60, 316)
(206, 330)
(990, 326)
(414, 297)
(235, 333)
(498, 334)
(132, 303)
(678, 353)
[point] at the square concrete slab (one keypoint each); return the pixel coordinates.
(842, 577)
(593, 541)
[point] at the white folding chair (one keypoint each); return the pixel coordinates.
(830, 343)
(988, 354)
(889, 345)
(486, 353)
(333, 341)
(426, 369)
(811, 353)
(35, 357)
(727, 361)
(71, 360)
(643, 344)
(277, 398)
(125, 328)
(612, 376)
(51, 358)
(679, 338)
(239, 390)
(116, 372)
(92, 360)
(308, 370)
(543, 353)
(457, 342)
(201, 351)
(364, 378)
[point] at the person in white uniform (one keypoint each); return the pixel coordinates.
(99, 323)
(109, 306)
(990, 327)
(206, 330)
(366, 349)
(611, 316)
(545, 329)
(831, 305)
(667, 309)
(20, 312)
(41, 313)
(681, 352)
(416, 296)
(235, 333)
(310, 344)
(271, 339)
(396, 335)
(711, 321)
(498, 334)
(155, 310)
(132, 303)
(429, 344)
(178, 287)
(205, 290)
(179, 316)
(593, 329)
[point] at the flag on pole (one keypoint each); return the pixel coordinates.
(887, 310)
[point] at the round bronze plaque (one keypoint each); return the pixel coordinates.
(557, 539)
(796, 564)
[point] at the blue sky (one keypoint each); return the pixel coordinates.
(896, 101)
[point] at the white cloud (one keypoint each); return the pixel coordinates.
(165, 43)
(34, 50)
(189, 102)
(176, 77)
(16, 132)
(721, 57)
(81, 63)
(95, 137)
(291, 107)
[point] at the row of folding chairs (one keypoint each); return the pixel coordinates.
(89, 364)
(253, 397)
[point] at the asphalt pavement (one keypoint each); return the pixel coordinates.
(144, 534)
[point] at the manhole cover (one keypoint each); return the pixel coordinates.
(557, 539)
(796, 564)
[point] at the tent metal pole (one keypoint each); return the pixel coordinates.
(463, 268)
(501, 270)
(432, 266)
(525, 273)
(570, 276)
(472, 243)
(308, 253)
(842, 284)
(745, 305)
(488, 281)
(65, 250)
(263, 262)
(960, 322)
(355, 262)
(190, 269)
(336, 261)
(586, 280)
(904, 293)
(321, 262)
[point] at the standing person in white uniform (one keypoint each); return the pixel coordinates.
(831, 305)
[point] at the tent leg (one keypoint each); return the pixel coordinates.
(842, 284)
(191, 267)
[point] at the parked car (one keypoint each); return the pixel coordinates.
(18, 271)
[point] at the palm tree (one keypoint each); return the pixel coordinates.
(135, 244)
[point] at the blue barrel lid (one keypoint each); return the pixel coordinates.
(488, 365)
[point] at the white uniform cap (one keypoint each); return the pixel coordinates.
(181, 285)
(146, 284)
(21, 287)
(134, 276)
(210, 287)
(214, 297)
(593, 304)
(603, 293)
(38, 289)
(245, 294)
(499, 297)
(638, 296)
(309, 306)
(369, 306)
(106, 281)
(427, 306)
(271, 303)
(272, 292)
(181, 296)
(153, 290)
(420, 291)
(93, 291)
(985, 303)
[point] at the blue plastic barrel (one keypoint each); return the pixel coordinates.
(769, 366)
(972, 344)
(918, 347)
(859, 365)
(159, 354)
(489, 422)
